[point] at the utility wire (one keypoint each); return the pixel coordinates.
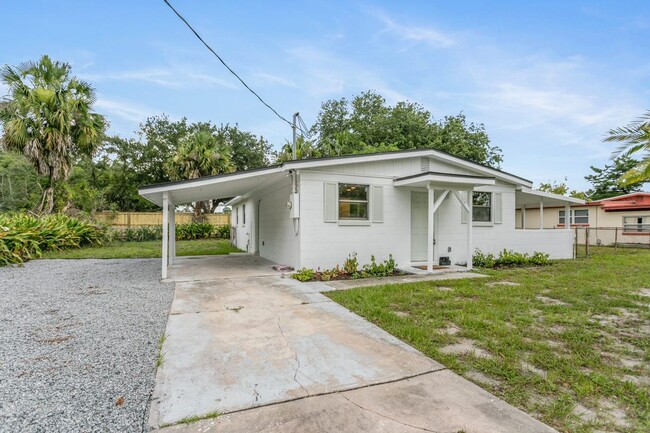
(224, 63)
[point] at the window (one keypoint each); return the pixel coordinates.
(243, 214)
(353, 201)
(482, 207)
(576, 217)
(237, 216)
(636, 224)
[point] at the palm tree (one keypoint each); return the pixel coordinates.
(636, 139)
(48, 116)
(200, 154)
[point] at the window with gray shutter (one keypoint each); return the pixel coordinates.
(330, 202)
(377, 203)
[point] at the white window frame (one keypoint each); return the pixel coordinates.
(491, 207)
(642, 227)
(353, 221)
(572, 217)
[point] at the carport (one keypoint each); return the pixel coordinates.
(171, 194)
(527, 198)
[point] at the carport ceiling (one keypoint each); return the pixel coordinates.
(206, 188)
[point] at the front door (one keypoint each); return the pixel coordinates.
(419, 230)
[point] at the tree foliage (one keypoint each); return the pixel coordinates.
(561, 188)
(48, 117)
(20, 187)
(367, 124)
(606, 181)
(635, 139)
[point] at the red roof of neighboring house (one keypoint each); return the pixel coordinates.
(633, 201)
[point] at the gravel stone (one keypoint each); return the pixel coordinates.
(79, 343)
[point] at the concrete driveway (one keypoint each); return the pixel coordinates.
(240, 337)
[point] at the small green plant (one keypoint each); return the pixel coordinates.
(350, 270)
(161, 355)
(374, 269)
(351, 264)
(509, 258)
(304, 274)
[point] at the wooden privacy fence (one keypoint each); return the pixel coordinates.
(139, 219)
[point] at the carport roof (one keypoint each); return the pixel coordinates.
(205, 188)
(531, 199)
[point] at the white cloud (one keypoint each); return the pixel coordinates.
(413, 33)
(124, 109)
(266, 78)
(172, 77)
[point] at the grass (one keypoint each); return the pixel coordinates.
(195, 418)
(161, 355)
(147, 249)
(568, 343)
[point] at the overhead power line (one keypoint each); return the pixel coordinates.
(224, 63)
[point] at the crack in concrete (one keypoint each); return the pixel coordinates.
(386, 416)
(295, 356)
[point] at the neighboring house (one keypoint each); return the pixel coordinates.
(414, 204)
(623, 219)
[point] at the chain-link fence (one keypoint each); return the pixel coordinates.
(637, 236)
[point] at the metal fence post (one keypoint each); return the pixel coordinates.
(587, 241)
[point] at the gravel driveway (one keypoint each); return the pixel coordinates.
(78, 344)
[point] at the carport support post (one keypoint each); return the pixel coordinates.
(470, 222)
(165, 233)
(430, 214)
(172, 232)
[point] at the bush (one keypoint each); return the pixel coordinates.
(509, 258)
(194, 231)
(223, 232)
(23, 236)
(183, 232)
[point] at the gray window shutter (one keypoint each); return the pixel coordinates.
(463, 214)
(330, 202)
(498, 207)
(377, 203)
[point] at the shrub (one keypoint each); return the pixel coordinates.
(483, 260)
(183, 232)
(223, 232)
(194, 231)
(509, 258)
(23, 236)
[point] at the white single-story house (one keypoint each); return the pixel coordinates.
(422, 206)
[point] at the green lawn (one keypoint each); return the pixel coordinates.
(568, 343)
(149, 249)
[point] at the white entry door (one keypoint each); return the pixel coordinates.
(419, 230)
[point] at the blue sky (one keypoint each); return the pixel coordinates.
(547, 79)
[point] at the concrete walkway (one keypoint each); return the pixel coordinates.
(274, 354)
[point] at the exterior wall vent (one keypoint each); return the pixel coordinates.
(424, 165)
